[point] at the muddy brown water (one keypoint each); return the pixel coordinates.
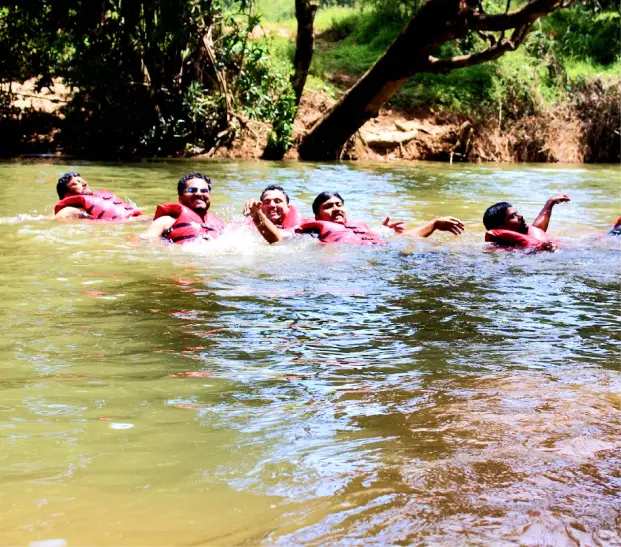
(429, 392)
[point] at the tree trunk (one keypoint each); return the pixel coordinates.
(437, 22)
(305, 11)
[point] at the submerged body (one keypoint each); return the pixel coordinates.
(331, 225)
(77, 200)
(507, 228)
(189, 219)
(188, 225)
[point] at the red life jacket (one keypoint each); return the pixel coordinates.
(291, 220)
(101, 205)
(509, 238)
(188, 224)
(353, 233)
(617, 228)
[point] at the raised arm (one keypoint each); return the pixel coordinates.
(543, 218)
(269, 231)
(158, 227)
(444, 224)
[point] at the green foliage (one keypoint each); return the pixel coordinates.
(151, 75)
(587, 32)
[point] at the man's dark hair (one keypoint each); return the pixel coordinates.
(274, 187)
(322, 198)
(495, 215)
(190, 176)
(61, 187)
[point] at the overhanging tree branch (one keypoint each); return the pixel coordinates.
(494, 52)
(518, 18)
(437, 22)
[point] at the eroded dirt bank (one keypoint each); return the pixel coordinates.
(585, 130)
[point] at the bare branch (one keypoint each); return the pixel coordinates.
(494, 52)
(518, 18)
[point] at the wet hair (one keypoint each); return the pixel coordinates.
(274, 187)
(183, 180)
(495, 215)
(61, 186)
(322, 198)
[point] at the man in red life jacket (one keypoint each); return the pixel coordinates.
(273, 206)
(77, 200)
(189, 219)
(332, 225)
(507, 228)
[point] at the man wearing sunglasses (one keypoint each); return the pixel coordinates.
(190, 219)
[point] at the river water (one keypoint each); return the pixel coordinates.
(429, 392)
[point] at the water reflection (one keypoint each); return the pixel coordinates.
(428, 392)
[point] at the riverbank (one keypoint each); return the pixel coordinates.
(584, 130)
(555, 99)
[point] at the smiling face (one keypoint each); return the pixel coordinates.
(78, 186)
(332, 210)
(196, 196)
(514, 221)
(274, 205)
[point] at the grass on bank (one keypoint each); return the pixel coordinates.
(568, 46)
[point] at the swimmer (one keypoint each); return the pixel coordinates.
(507, 228)
(332, 225)
(77, 200)
(273, 207)
(189, 219)
(616, 231)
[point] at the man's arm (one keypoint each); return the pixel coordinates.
(269, 231)
(158, 227)
(444, 224)
(69, 212)
(543, 218)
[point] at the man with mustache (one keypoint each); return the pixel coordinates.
(77, 200)
(507, 228)
(189, 219)
(332, 225)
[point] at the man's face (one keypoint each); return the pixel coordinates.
(275, 206)
(196, 196)
(78, 186)
(514, 221)
(332, 210)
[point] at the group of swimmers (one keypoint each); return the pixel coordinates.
(277, 219)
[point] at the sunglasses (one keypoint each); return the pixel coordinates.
(195, 190)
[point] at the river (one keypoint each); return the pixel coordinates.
(429, 392)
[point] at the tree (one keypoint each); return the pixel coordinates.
(280, 138)
(436, 23)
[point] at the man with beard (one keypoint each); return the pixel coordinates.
(77, 200)
(507, 228)
(189, 219)
(272, 207)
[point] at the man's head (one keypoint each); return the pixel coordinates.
(194, 191)
(275, 203)
(330, 206)
(503, 216)
(72, 184)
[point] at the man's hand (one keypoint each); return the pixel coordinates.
(397, 226)
(449, 224)
(252, 207)
(559, 198)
